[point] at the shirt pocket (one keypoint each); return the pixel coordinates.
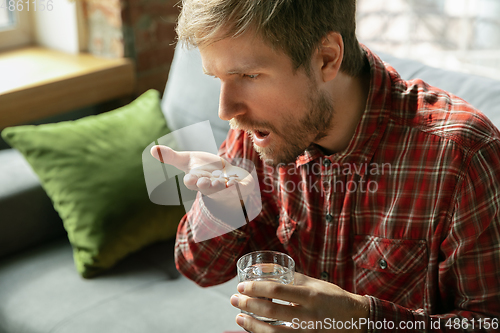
(391, 269)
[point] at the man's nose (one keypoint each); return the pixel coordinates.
(230, 102)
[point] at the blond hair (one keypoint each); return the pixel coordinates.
(295, 27)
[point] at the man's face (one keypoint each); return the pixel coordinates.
(282, 110)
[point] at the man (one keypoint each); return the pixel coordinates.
(385, 192)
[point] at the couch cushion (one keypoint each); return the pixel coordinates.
(17, 175)
(92, 170)
(191, 96)
(19, 188)
(41, 292)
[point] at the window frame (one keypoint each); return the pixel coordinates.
(20, 34)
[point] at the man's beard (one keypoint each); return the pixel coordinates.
(292, 139)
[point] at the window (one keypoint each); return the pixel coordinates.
(6, 17)
(15, 26)
(454, 34)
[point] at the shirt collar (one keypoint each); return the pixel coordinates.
(371, 126)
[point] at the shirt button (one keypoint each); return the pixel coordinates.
(324, 276)
(382, 264)
(328, 218)
(326, 162)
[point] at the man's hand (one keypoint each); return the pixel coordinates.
(207, 173)
(312, 300)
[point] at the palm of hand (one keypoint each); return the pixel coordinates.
(208, 173)
(216, 178)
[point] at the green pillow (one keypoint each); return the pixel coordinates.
(91, 169)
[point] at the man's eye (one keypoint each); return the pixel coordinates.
(250, 76)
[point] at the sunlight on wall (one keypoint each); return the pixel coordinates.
(57, 29)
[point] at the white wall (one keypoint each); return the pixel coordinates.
(58, 28)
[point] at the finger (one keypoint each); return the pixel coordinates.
(224, 194)
(269, 289)
(218, 184)
(251, 324)
(167, 155)
(206, 186)
(204, 183)
(190, 181)
(266, 307)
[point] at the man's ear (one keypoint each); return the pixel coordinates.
(329, 55)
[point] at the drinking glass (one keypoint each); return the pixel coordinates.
(266, 266)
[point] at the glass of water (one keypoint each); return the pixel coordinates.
(266, 266)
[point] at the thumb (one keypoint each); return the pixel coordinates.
(167, 155)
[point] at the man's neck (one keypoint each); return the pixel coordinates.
(349, 95)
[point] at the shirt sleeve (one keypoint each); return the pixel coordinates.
(468, 276)
(213, 261)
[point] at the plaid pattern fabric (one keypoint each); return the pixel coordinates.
(408, 214)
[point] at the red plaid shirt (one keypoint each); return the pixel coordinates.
(408, 214)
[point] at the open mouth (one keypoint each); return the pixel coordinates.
(261, 138)
(262, 134)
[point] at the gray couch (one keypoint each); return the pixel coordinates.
(40, 290)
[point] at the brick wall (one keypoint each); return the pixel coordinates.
(149, 38)
(142, 30)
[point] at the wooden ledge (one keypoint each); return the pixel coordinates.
(36, 83)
